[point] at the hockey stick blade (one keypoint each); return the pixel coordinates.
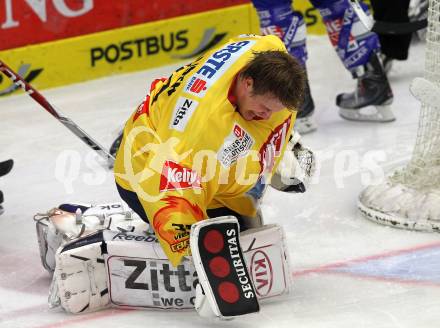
(426, 92)
(67, 122)
(388, 28)
(366, 20)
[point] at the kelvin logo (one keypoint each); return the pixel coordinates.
(175, 176)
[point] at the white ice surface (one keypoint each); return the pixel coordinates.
(330, 244)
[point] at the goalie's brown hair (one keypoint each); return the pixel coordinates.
(277, 73)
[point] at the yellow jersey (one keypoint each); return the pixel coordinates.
(187, 149)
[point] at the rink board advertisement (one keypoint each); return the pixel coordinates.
(122, 50)
(127, 49)
(61, 19)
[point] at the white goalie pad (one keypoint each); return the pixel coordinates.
(79, 283)
(57, 227)
(140, 275)
(129, 269)
(267, 260)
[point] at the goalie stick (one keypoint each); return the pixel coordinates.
(67, 122)
(389, 28)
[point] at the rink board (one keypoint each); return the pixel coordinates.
(124, 50)
(23, 23)
(134, 48)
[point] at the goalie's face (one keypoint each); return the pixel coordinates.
(252, 106)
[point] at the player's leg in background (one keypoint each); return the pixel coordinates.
(418, 11)
(5, 168)
(359, 50)
(1, 202)
(278, 18)
(393, 46)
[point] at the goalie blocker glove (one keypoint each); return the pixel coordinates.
(225, 287)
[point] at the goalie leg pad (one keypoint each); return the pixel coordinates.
(58, 226)
(221, 269)
(80, 275)
(121, 269)
(49, 239)
(130, 269)
(140, 275)
(267, 260)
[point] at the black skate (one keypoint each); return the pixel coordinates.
(6, 166)
(373, 89)
(304, 121)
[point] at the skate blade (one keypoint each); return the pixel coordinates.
(305, 125)
(380, 113)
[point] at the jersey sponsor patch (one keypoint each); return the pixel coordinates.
(176, 176)
(172, 223)
(182, 113)
(273, 145)
(215, 66)
(236, 145)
